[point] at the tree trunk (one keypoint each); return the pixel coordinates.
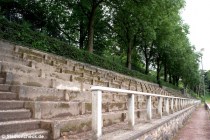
(165, 72)
(147, 66)
(170, 78)
(146, 59)
(81, 35)
(90, 35)
(91, 30)
(174, 80)
(158, 70)
(177, 81)
(129, 53)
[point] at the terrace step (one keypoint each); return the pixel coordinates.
(6, 45)
(48, 81)
(7, 51)
(17, 68)
(82, 123)
(1, 80)
(7, 96)
(17, 114)
(11, 104)
(18, 126)
(4, 87)
(13, 59)
(29, 135)
(46, 72)
(34, 93)
(25, 62)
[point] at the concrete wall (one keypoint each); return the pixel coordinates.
(168, 128)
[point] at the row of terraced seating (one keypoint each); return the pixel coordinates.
(54, 93)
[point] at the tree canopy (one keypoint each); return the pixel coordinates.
(144, 35)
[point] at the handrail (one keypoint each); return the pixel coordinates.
(96, 88)
(97, 121)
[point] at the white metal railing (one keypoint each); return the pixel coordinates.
(97, 121)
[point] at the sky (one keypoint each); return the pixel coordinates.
(197, 15)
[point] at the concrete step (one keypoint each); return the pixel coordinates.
(7, 51)
(17, 114)
(48, 81)
(17, 68)
(11, 104)
(14, 59)
(2, 80)
(8, 96)
(19, 60)
(33, 93)
(82, 123)
(29, 135)
(4, 87)
(33, 71)
(18, 126)
(6, 45)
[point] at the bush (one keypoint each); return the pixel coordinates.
(22, 35)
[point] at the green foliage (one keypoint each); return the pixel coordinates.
(24, 36)
(207, 97)
(144, 35)
(207, 80)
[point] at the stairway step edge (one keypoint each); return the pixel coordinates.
(14, 110)
(13, 122)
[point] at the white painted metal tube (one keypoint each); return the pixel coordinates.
(160, 106)
(97, 114)
(131, 110)
(149, 108)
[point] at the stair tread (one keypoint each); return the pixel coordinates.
(13, 122)
(9, 93)
(65, 118)
(4, 87)
(30, 132)
(15, 110)
(20, 101)
(36, 88)
(12, 101)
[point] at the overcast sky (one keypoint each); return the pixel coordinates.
(197, 15)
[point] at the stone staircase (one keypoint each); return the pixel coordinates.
(48, 95)
(14, 118)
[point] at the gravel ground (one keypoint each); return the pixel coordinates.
(197, 127)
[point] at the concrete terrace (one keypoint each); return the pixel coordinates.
(49, 96)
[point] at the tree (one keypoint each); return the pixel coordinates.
(207, 80)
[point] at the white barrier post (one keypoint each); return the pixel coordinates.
(172, 105)
(97, 114)
(160, 106)
(131, 110)
(167, 105)
(180, 104)
(176, 104)
(149, 108)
